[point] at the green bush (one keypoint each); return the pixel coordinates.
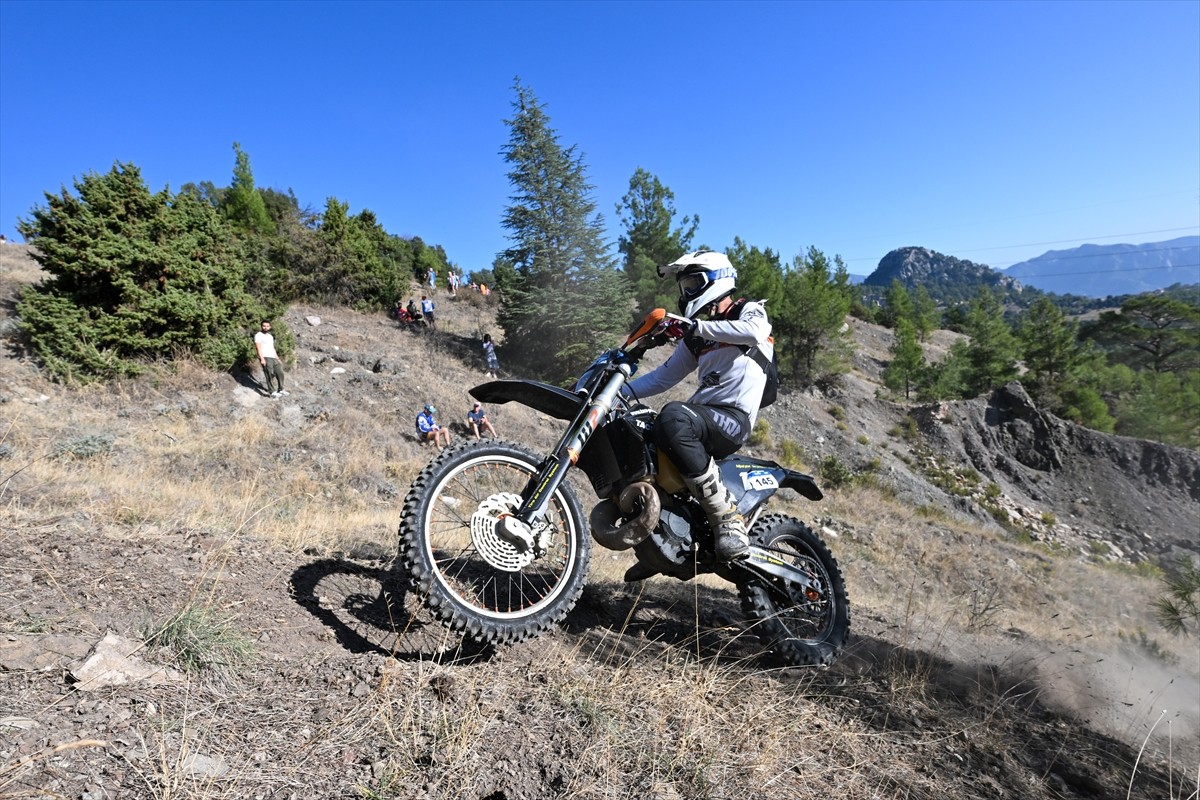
(834, 473)
(86, 446)
(135, 277)
(790, 453)
(761, 433)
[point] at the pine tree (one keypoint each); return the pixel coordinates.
(1178, 609)
(760, 274)
(135, 276)
(811, 325)
(1050, 348)
(925, 313)
(1153, 330)
(651, 240)
(563, 298)
(897, 305)
(992, 353)
(908, 359)
(241, 203)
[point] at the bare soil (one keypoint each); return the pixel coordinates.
(654, 689)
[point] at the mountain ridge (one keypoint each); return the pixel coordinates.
(1096, 270)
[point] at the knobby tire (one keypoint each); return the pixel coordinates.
(456, 582)
(801, 632)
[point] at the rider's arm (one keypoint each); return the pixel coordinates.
(751, 327)
(681, 364)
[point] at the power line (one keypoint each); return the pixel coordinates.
(1081, 238)
(1040, 275)
(1042, 260)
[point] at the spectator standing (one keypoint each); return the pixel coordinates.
(478, 421)
(489, 356)
(427, 309)
(264, 345)
(427, 428)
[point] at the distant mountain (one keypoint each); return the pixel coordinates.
(948, 280)
(1100, 270)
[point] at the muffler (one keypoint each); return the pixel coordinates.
(605, 516)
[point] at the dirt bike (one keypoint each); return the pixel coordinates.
(495, 541)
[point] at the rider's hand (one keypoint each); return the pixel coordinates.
(673, 327)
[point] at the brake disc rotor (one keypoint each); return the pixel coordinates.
(499, 553)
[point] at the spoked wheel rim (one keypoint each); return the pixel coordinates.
(809, 615)
(478, 570)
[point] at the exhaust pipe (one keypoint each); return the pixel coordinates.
(604, 517)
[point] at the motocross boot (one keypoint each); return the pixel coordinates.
(728, 527)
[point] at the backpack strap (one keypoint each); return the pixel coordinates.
(758, 356)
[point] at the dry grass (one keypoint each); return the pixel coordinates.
(959, 629)
(17, 267)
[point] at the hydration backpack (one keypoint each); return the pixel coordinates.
(769, 366)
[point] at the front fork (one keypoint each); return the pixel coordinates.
(517, 529)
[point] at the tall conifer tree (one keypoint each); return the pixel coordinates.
(564, 299)
(651, 240)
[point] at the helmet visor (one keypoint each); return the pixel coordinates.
(692, 284)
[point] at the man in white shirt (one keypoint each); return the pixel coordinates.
(264, 344)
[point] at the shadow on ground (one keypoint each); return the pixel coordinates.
(369, 611)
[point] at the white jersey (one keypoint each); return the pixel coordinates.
(715, 351)
(265, 343)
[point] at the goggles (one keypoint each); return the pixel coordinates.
(692, 283)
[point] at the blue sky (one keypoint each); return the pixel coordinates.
(989, 131)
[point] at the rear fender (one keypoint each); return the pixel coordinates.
(806, 485)
(753, 480)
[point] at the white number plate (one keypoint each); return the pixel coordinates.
(757, 481)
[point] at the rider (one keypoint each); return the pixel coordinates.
(719, 416)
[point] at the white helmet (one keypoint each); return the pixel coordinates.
(704, 277)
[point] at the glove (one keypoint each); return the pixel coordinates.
(674, 327)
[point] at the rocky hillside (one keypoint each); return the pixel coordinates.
(997, 560)
(948, 279)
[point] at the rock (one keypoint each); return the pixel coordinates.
(204, 766)
(112, 663)
(18, 723)
(41, 651)
(313, 320)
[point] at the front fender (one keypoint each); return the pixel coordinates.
(551, 400)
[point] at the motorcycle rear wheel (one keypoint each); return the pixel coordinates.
(802, 631)
(471, 580)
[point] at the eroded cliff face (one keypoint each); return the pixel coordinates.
(1143, 496)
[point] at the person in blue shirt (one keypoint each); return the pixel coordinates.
(478, 422)
(428, 430)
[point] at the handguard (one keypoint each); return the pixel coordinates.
(645, 328)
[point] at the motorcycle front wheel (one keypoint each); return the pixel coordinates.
(803, 628)
(473, 581)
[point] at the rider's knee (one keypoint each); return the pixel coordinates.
(676, 423)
